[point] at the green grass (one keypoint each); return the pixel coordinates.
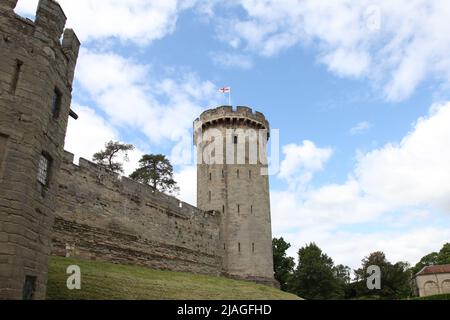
(108, 281)
(436, 297)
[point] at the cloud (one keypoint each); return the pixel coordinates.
(88, 135)
(396, 44)
(301, 162)
(133, 97)
(360, 128)
(186, 178)
(231, 60)
(402, 185)
(133, 20)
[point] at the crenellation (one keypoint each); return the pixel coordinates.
(50, 18)
(8, 4)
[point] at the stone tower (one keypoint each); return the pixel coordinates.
(232, 179)
(36, 72)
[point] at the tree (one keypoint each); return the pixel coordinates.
(343, 279)
(395, 278)
(315, 277)
(106, 158)
(156, 171)
(441, 257)
(283, 265)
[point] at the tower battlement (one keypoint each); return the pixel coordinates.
(226, 115)
(60, 45)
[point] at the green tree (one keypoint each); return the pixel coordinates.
(283, 265)
(441, 257)
(107, 157)
(444, 254)
(395, 278)
(315, 276)
(343, 280)
(156, 171)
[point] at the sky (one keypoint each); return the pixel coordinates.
(359, 92)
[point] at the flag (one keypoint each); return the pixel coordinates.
(225, 90)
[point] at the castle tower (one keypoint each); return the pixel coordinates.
(232, 179)
(36, 74)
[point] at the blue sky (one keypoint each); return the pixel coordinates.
(359, 92)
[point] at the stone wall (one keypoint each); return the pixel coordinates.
(37, 62)
(432, 284)
(103, 216)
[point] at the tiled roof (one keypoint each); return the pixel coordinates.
(444, 268)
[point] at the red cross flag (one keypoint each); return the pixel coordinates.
(225, 90)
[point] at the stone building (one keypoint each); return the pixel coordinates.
(232, 178)
(50, 205)
(432, 280)
(36, 74)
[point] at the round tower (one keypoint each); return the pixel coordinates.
(36, 73)
(232, 179)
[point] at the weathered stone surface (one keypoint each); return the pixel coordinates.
(33, 63)
(102, 216)
(239, 190)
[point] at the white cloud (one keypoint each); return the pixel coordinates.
(134, 20)
(397, 44)
(301, 162)
(186, 178)
(360, 128)
(231, 60)
(409, 179)
(131, 95)
(88, 135)
(350, 248)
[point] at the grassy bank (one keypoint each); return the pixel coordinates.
(102, 280)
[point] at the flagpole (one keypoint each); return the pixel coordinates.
(229, 98)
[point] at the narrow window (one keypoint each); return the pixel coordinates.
(249, 174)
(16, 76)
(223, 174)
(3, 142)
(209, 196)
(29, 287)
(237, 173)
(223, 209)
(239, 247)
(56, 103)
(253, 247)
(251, 209)
(210, 176)
(43, 169)
(239, 208)
(235, 139)
(224, 247)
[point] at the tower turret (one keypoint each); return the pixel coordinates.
(232, 179)
(36, 75)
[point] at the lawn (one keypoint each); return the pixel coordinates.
(108, 281)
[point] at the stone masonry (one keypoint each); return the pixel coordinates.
(100, 215)
(232, 179)
(36, 74)
(50, 205)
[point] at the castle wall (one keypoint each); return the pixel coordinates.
(36, 61)
(102, 216)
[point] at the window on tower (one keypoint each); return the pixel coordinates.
(235, 139)
(44, 169)
(56, 103)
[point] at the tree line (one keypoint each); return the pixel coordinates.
(154, 170)
(316, 277)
